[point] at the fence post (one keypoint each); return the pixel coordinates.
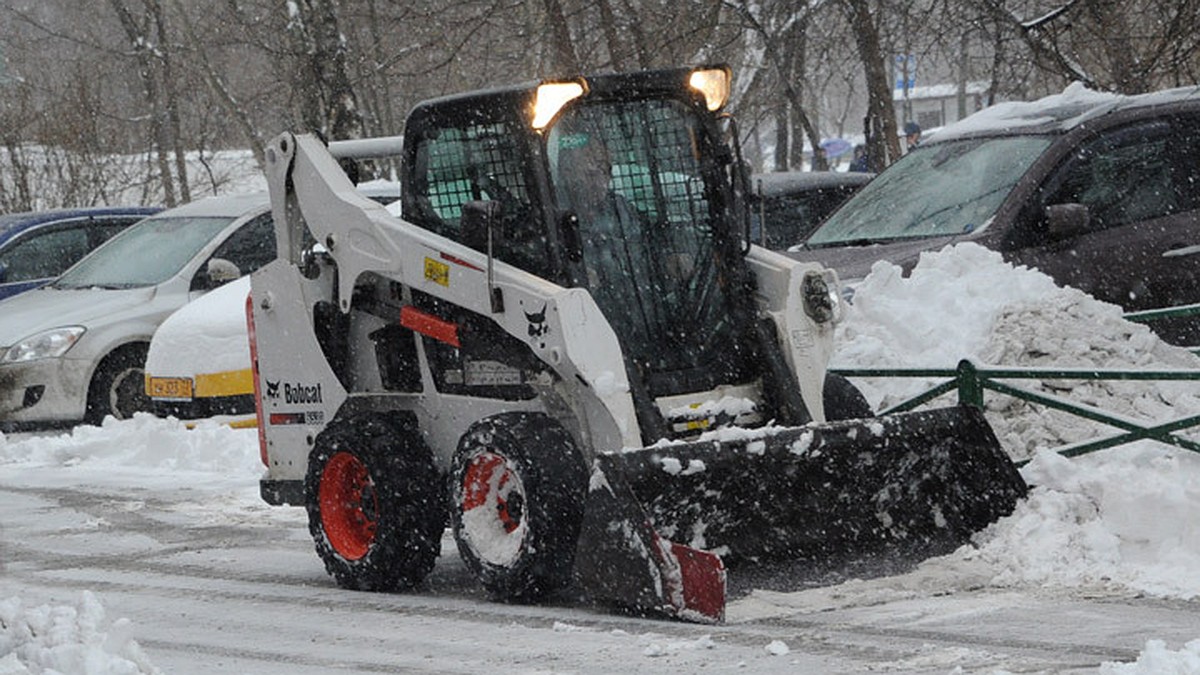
(970, 389)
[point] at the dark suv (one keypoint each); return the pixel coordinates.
(1101, 192)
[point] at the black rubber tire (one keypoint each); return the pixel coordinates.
(387, 533)
(118, 386)
(537, 456)
(843, 400)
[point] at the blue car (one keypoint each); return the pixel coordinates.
(36, 247)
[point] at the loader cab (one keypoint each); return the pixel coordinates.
(618, 184)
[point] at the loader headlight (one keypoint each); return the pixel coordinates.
(714, 84)
(551, 97)
(45, 345)
(820, 294)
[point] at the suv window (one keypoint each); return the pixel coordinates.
(1123, 176)
(46, 253)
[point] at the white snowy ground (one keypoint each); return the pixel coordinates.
(1118, 524)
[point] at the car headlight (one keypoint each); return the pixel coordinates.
(45, 345)
(821, 296)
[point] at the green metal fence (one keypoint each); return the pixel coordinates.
(971, 381)
(1177, 312)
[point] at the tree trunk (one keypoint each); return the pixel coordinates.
(142, 43)
(783, 143)
(564, 61)
(175, 129)
(217, 85)
(329, 104)
(883, 144)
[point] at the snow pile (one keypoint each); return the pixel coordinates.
(1156, 659)
(161, 448)
(67, 639)
(658, 645)
(965, 302)
(1118, 518)
(1122, 520)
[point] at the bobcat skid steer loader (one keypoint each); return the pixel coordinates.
(565, 349)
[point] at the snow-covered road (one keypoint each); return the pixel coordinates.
(205, 578)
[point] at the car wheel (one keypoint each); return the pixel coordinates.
(375, 502)
(518, 485)
(118, 387)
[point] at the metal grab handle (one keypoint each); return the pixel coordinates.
(1182, 251)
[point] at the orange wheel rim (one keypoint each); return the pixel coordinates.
(349, 506)
(486, 484)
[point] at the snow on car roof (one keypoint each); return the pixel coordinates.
(781, 182)
(1057, 112)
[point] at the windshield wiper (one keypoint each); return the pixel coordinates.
(104, 287)
(857, 243)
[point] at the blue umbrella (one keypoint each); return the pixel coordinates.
(836, 147)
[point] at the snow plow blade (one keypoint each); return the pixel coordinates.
(658, 520)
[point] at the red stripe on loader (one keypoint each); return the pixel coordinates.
(258, 404)
(429, 325)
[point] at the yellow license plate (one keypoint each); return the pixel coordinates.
(169, 387)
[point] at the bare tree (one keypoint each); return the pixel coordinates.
(328, 102)
(150, 48)
(883, 145)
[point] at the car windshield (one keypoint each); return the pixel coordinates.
(936, 190)
(143, 255)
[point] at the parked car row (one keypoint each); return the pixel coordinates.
(786, 206)
(75, 349)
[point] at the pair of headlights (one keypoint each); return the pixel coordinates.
(45, 345)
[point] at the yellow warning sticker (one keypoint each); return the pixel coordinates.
(437, 272)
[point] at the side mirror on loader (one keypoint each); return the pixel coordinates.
(481, 231)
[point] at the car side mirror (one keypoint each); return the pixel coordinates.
(221, 271)
(1067, 220)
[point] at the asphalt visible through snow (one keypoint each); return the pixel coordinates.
(211, 589)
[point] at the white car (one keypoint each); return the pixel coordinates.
(199, 359)
(198, 365)
(74, 350)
